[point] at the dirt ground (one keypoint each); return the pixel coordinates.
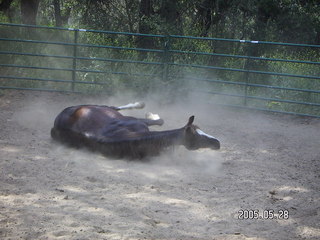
(268, 164)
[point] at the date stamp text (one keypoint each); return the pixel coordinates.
(268, 214)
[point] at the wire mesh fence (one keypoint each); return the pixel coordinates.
(270, 76)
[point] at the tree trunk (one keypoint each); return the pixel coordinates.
(5, 5)
(170, 13)
(29, 10)
(204, 15)
(145, 13)
(57, 13)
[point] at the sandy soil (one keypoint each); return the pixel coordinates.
(267, 162)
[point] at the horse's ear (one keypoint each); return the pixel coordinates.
(191, 119)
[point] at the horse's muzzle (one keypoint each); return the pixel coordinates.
(214, 144)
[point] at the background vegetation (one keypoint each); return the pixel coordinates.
(268, 20)
(295, 21)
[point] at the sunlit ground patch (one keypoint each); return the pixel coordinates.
(10, 149)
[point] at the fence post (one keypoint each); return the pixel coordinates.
(74, 65)
(246, 67)
(251, 53)
(246, 76)
(166, 59)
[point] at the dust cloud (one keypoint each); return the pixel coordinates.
(39, 117)
(50, 191)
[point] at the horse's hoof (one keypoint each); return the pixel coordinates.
(152, 116)
(140, 105)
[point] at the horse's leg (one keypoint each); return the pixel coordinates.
(152, 119)
(136, 105)
(150, 122)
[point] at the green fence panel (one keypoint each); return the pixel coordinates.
(268, 76)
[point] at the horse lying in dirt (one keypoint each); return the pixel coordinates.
(104, 129)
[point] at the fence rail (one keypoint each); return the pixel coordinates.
(231, 72)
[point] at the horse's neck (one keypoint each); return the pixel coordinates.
(146, 144)
(165, 138)
(152, 143)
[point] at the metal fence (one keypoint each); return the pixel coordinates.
(270, 76)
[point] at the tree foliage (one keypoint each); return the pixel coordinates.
(269, 20)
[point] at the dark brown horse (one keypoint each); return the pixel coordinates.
(104, 129)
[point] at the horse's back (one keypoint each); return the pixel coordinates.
(84, 124)
(85, 117)
(77, 123)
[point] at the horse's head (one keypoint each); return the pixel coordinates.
(195, 138)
